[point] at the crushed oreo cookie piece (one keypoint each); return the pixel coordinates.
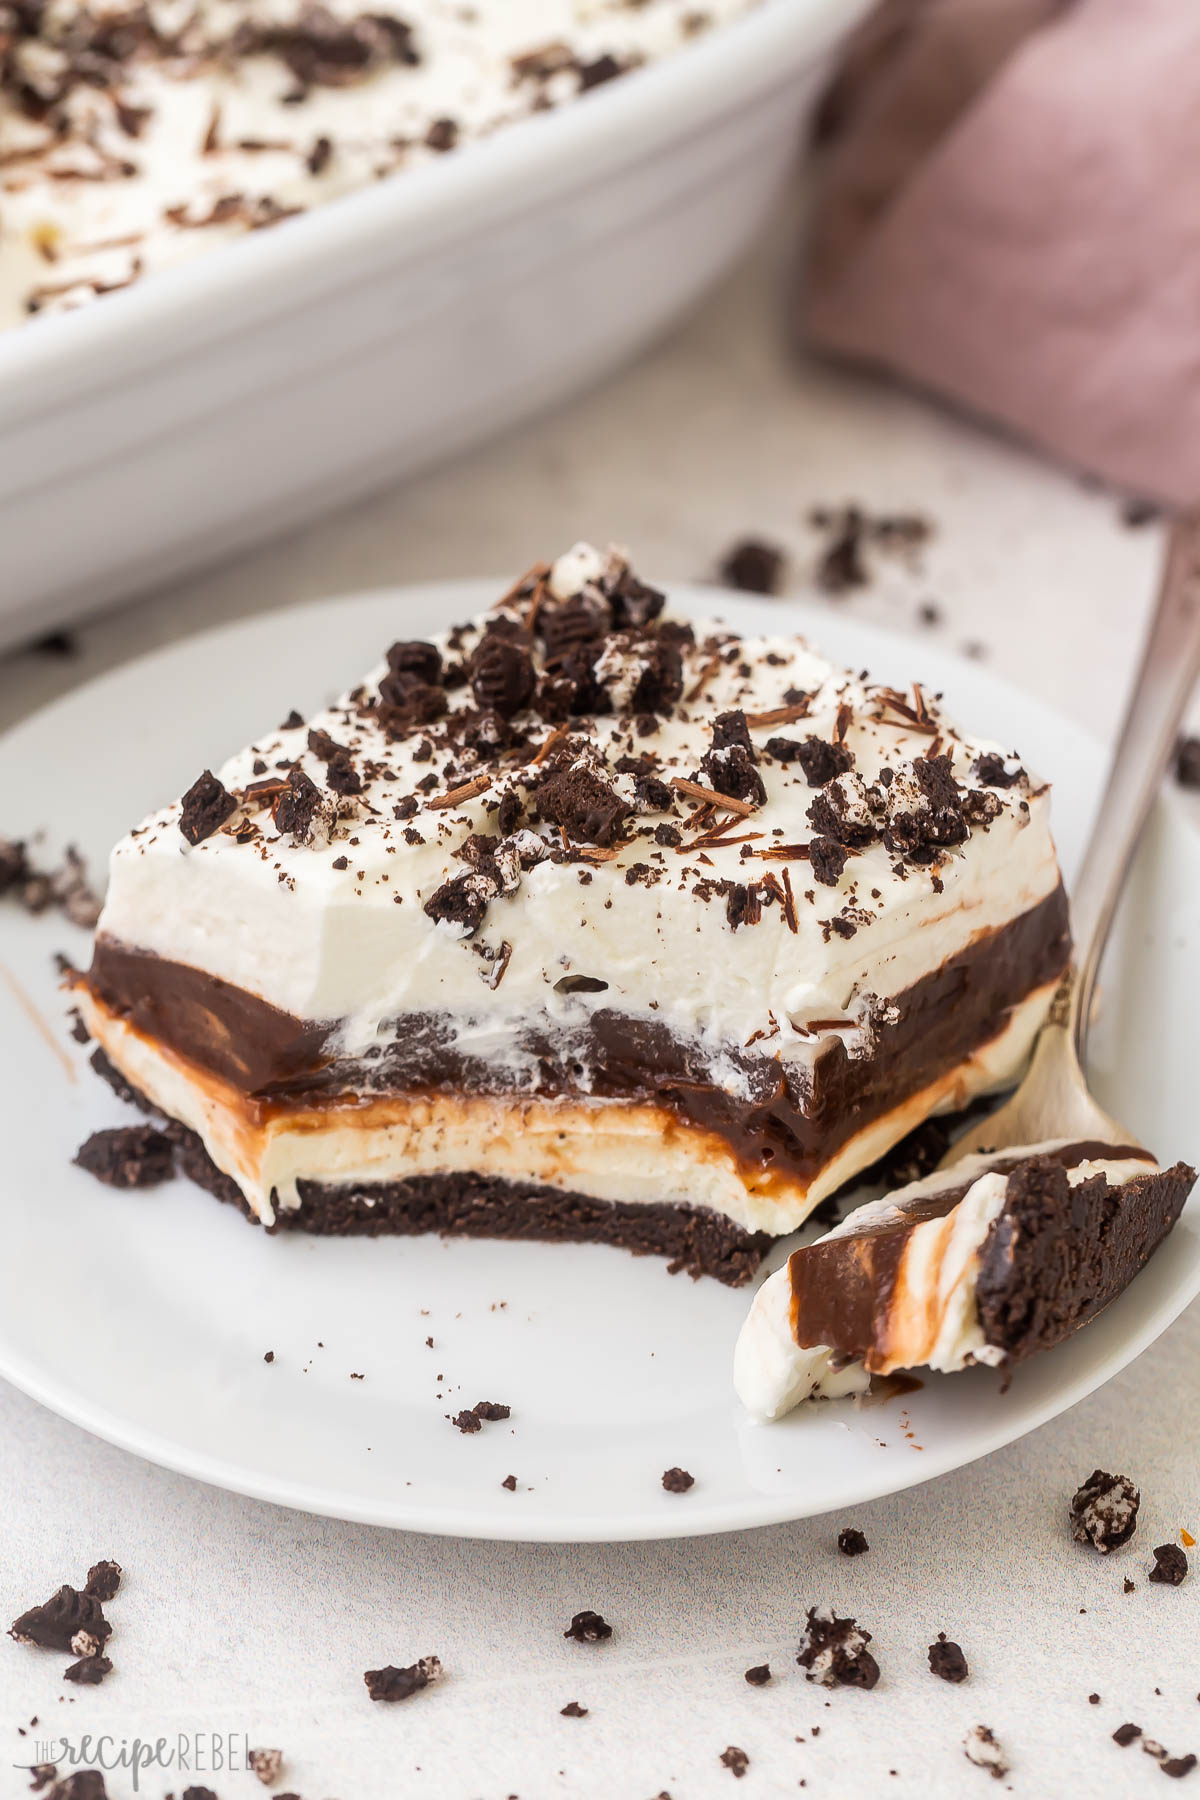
(827, 860)
(834, 1651)
(89, 1671)
(735, 1760)
(842, 812)
(753, 567)
(1187, 762)
(677, 1481)
(400, 1684)
(851, 1541)
(266, 1764)
(840, 565)
(982, 1747)
(573, 1710)
(1170, 1565)
(588, 1628)
(128, 1156)
(491, 1410)
(467, 1421)
(993, 771)
(579, 798)
(947, 1660)
(502, 675)
(14, 864)
(415, 657)
(107, 1070)
(71, 1619)
(204, 808)
(299, 812)
(1126, 1734)
(1177, 1766)
(1104, 1511)
(821, 761)
(510, 1482)
(600, 69)
(759, 1675)
(731, 764)
(56, 643)
(66, 887)
(582, 620)
(103, 1581)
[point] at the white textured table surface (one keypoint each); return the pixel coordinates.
(237, 1618)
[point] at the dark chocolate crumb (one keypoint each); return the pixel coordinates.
(1178, 1766)
(588, 1628)
(467, 1421)
(759, 1675)
(128, 1156)
(947, 1660)
(677, 1481)
(573, 1710)
(1170, 1565)
(1093, 1699)
(1104, 1511)
(1127, 1586)
(268, 1356)
(735, 1760)
(491, 1410)
(851, 1541)
(510, 1482)
(399, 1684)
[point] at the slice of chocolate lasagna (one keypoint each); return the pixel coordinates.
(581, 921)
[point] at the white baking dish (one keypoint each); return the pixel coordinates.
(216, 403)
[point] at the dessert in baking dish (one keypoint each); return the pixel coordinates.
(134, 134)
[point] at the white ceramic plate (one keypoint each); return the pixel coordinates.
(145, 1316)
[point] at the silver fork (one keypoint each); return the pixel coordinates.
(1053, 1100)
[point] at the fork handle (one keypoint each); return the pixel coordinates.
(1170, 664)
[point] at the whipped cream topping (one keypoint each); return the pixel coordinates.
(932, 1320)
(134, 134)
(455, 868)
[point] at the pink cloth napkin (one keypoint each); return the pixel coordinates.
(1008, 214)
